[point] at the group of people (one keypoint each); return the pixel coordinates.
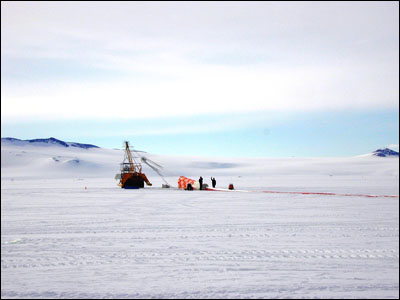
(213, 181)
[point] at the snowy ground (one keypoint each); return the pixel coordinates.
(60, 240)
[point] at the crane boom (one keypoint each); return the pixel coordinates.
(134, 166)
(156, 167)
(129, 156)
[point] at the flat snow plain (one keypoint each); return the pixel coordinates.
(62, 240)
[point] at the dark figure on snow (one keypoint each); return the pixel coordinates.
(201, 182)
(214, 182)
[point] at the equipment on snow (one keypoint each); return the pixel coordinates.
(183, 183)
(156, 167)
(131, 171)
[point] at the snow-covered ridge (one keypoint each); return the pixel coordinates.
(384, 152)
(52, 158)
(49, 141)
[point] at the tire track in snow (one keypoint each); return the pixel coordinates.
(102, 258)
(272, 291)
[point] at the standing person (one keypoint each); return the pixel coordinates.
(201, 182)
(214, 182)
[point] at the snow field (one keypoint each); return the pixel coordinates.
(60, 240)
(68, 230)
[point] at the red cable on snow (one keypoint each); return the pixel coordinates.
(333, 194)
(304, 193)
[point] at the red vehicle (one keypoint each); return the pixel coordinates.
(131, 172)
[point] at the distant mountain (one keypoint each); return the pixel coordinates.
(384, 152)
(51, 140)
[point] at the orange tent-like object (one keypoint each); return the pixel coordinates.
(184, 181)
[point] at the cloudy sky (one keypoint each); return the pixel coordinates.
(204, 78)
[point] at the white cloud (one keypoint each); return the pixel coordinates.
(183, 59)
(196, 90)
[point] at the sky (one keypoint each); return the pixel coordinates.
(204, 78)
